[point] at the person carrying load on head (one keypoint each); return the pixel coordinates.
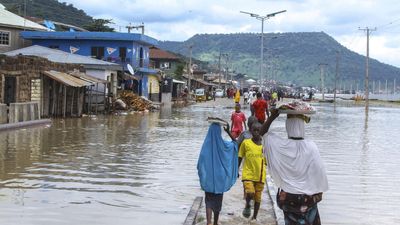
(296, 168)
(217, 167)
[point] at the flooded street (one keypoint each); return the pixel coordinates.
(141, 168)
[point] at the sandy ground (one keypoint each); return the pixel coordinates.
(233, 202)
(233, 205)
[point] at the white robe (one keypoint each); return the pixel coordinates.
(295, 165)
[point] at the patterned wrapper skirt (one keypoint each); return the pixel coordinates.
(298, 208)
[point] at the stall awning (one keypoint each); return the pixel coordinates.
(178, 81)
(89, 78)
(67, 79)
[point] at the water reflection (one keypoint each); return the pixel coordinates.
(142, 167)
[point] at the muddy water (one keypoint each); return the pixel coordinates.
(141, 169)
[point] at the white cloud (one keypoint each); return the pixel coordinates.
(181, 19)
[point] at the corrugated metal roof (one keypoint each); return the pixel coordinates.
(156, 53)
(109, 36)
(9, 19)
(59, 56)
(67, 79)
(88, 78)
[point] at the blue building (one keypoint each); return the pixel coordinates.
(121, 48)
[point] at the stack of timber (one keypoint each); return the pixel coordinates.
(135, 102)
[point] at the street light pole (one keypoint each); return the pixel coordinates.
(190, 67)
(262, 18)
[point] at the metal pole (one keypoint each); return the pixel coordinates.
(262, 52)
(394, 86)
(219, 69)
(336, 75)
(190, 68)
(367, 75)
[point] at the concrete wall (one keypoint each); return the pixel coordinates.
(16, 41)
(83, 47)
(26, 111)
(3, 113)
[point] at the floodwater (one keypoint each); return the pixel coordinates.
(141, 169)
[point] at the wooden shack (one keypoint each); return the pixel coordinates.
(54, 85)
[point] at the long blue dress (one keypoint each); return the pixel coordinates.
(218, 162)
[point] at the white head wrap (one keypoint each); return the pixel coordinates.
(295, 127)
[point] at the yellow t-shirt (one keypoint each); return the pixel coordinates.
(254, 163)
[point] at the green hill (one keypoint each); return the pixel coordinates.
(50, 10)
(289, 57)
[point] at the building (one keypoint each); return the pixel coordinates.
(102, 70)
(164, 61)
(120, 48)
(10, 27)
(59, 88)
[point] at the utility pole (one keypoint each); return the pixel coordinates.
(190, 67)
(336, 75)
(262, 19)
(394, 86)
(321, 65)
(130, 27)
(366, 67)
(219, 69)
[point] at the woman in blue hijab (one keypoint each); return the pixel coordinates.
(217, 169)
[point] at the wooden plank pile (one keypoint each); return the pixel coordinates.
(135, 102)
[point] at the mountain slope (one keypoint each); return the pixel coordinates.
(50, 10)
(293, 57)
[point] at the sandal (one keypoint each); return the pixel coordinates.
(246, 212)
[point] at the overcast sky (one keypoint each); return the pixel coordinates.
(181, 19)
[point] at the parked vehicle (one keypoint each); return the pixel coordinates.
(219, 93)
(200, 95)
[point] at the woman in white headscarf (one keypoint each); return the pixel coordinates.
(297, 169)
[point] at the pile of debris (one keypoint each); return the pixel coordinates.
(130, 101)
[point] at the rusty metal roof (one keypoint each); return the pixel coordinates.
(67, 79)
(88, 78)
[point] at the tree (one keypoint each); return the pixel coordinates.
(179, 71)
(100, 25)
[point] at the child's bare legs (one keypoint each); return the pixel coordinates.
(256, 208)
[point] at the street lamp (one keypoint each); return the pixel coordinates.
(262, 18)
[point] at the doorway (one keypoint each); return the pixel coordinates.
(10, 90)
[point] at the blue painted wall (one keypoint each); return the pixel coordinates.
(84, 48)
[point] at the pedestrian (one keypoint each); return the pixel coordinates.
(246, 134)
(217, 169)
(238, 120)
(237, 96)
(254, 170)
(260, 107)
(245, 97)
(296, 168)
(213, 94)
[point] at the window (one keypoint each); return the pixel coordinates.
(141, 59)
(54, 46)
(4, 37)
(97, 52)
(165, 65)
(122, 54)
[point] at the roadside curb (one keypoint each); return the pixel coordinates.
(12, 126)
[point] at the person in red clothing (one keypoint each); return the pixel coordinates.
(238, 119)
(260, 107)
